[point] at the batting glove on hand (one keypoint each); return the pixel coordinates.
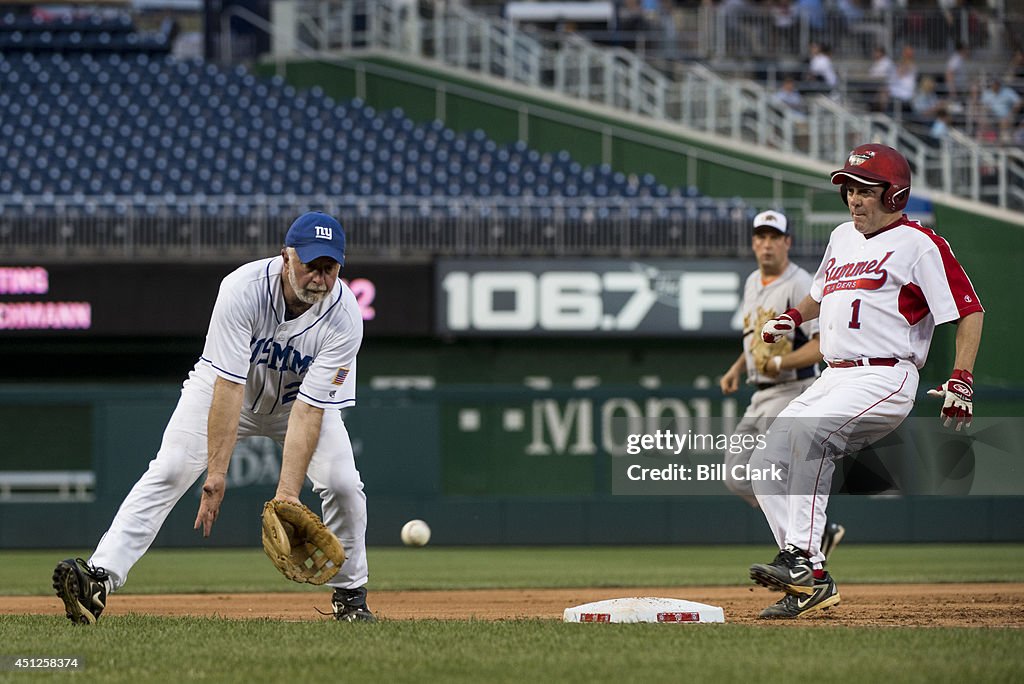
(781, 326)
(957, 394)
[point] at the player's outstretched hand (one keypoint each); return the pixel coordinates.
(780, 326)
(730, 382)
(957, 396)
(209, 505)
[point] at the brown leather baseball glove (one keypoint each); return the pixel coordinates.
(299, 544)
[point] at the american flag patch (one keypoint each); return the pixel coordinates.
(341, 375)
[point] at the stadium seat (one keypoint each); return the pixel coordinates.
(141, 124)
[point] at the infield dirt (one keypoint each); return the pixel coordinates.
(879, 605)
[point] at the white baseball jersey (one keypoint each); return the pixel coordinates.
(882, 295)
(773, 299)
(312, 356)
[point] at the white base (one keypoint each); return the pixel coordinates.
(645, 609)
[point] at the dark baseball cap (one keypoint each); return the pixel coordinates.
(314, 235)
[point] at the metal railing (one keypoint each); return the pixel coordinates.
(392, 227)
(747, 33)
(694, 96)
(49, 486)
(743, 33)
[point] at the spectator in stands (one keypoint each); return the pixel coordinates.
(902, 85)
(879, 73)
(784, 19)
(975, 120)
(851, 11)
(632, 25)
(821, 69)
(956, 72)
(1018, 134)
(842, 17)
(1015, 69)
(881, 65)
(926, 102)
(734, 13)
(940, 128)
(940, 24)
(664, 18)
(813, 12)
(1002, 106)
(790, 97)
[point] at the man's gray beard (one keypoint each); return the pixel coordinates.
(305, 296)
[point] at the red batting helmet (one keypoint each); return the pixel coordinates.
(874, 164)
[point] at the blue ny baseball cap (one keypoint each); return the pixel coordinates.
(314, 235)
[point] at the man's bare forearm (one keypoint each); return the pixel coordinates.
(968, 339)
(807, 355)
(808, 308)
(299, 444)
(222, 424)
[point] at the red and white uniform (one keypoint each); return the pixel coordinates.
(881, 297)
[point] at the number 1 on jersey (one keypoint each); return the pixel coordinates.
(855, 318)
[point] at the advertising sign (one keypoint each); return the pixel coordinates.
(600, 297)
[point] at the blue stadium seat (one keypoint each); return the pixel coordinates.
(144, 124)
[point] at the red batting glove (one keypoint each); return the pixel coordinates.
(781, 326)
(957, 396)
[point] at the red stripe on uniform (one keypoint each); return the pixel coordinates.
(912, 303)
(817, 478)
(960, 286)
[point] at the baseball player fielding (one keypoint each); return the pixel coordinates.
(279, 362)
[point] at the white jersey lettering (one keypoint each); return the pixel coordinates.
(284, 359)
(882, 295)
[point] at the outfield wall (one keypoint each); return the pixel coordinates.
(502, 463)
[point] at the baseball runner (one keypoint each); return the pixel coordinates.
(781, 370)
(883, 285)
(279, 361)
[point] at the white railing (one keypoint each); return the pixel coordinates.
(991, 174)
(613, 77)
(697, 98)
(47, 486)
(462, 39)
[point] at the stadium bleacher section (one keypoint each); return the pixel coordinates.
(97, 120)
(133, 133)
(137, 125)
(108, 32)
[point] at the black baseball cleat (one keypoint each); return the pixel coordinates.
(82, 588)
(825, 594)
(790, 572)
(834, 533)
(350, 605)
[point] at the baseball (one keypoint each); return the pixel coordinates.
(415, 533)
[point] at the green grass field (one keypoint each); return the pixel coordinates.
(144, 648)
(27, 573)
